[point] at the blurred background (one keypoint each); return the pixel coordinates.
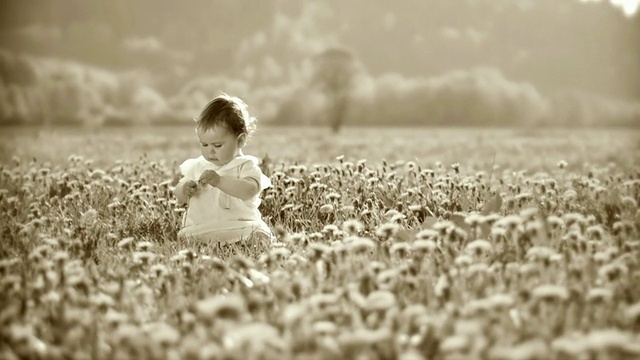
(358, 62)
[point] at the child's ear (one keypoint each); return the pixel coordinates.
(242, 140)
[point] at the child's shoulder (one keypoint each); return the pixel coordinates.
(244, 160)
(191, 165)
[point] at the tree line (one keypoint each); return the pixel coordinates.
(431, 62)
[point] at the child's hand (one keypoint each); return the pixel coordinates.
(190, 188)
(209, 177)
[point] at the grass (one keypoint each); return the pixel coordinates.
(392, 243)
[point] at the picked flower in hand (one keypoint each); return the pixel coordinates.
(209, 177)
(190, 188)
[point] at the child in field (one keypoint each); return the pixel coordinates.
(222, 186)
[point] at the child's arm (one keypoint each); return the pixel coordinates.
(243, 189)
(184, 189)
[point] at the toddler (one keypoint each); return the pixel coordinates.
(222, 186)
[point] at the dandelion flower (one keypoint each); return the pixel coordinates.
(491, 219)
(326, 208)
(360, 244)
(286, 207)
(608, 339)
(540, 253)
(89, 217)
(300, 238)
(632, 312)
(444, 226)
(529, 213)
(7, 264)
(477, 268)
(500, 301)
(60, 256)
(179, 257)
(279, 253)
(397, 218)
(400, 249)
(380, 300)
(629, 202)
(352, 227)
(331, 229)
(510, 222)
(102, 300)
(442, 285)
(555, 222)
(455, 343)
(322, 300)
(317, 250)
(475, 307)
(473, 219)
(528, 269)
(529, 350)
(571, 219)
(324, 328)
(164, 334)
(479, 246)
(113, 317)
(612, 271)
(386, 276)
(463, 261)
(293, 313)
(144, 245)
(602, 257)
(570, 345)
(550, 292)
(144, 257)
(498, 232)
(595, 232)
(332, 196)
(424, 245)
(599, 295)
(387, 230)
(229, 306)
(158, 270)
(426, 234)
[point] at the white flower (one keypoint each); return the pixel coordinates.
(550, 292)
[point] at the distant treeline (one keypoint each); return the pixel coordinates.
(424, 62)
(49, 91)
(552, 44)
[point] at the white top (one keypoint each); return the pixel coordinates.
(216, 216)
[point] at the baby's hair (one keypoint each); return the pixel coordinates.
(228, 111)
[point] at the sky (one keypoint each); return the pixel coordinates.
(629, 7)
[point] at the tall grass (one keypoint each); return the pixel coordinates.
(375, 259)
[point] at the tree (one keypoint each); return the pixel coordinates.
(335, 72)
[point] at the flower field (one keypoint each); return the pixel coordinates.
(392, 244)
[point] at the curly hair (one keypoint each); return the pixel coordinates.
(228, 111)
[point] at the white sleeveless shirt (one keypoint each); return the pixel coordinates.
(215, 216)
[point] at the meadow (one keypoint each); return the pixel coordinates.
(391, 244)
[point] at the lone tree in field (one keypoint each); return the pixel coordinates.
(335, 71)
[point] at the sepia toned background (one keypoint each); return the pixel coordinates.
(358, 62)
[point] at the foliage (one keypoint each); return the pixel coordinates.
(374, 259)
(555, 45)
(428, 62)
(62, 92)
(335, 71)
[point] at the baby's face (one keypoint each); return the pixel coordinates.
(219, 145)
